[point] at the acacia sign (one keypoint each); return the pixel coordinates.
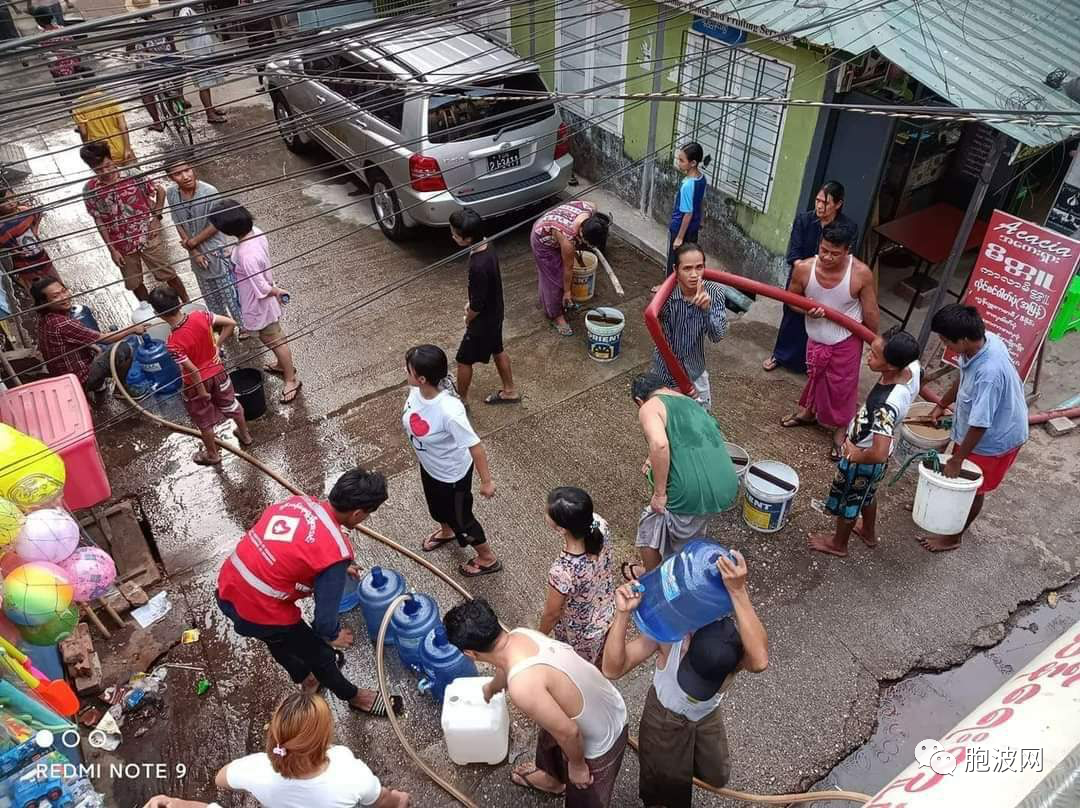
(1018, 283)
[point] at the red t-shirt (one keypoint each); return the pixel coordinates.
(194, 339)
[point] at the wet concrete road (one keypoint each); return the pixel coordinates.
(837, 627)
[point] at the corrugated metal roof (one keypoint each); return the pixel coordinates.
(980, 54)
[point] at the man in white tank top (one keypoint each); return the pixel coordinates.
(681, 735)
(582, 716)
(834, 279)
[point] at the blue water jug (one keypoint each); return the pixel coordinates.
(684, 593)
(412, 621)
(350, 596)
(137, 383)
(158, 366)
(85, 316)
(442, 663)
(377, 589)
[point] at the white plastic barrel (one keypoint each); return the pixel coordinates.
(476, 731)
(740, 458)
(917, 438)
(942, 503)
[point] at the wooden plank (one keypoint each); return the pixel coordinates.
(127, 546)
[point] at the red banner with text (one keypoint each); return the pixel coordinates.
(1018, 283)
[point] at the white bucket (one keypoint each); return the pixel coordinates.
(740, 458)
(915, 438)
(583, 279)
(766, 504)
(605, 339)
(942, 503)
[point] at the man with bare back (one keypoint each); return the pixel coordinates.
(836, 279)
(582, 717)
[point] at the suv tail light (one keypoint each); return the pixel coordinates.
(562, 142)
(425, 174)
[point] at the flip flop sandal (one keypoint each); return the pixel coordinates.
(770, 364)
(567, 332)
(836, 453)
(522, 780)
(498, 398)
(378, 707)
(488, 570)
(271, 368)
(434, 542)
(200, 459)
(628, 570)
(794, 420)
(339, 658)
(290, 397)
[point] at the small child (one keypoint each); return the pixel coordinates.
(869, 443)
(581, 595)
(208, 393)
(686, 212)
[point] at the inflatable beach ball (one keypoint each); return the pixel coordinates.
(31, 474)
(36, 593)
(91, 571)
(59, 628)
(11, 521)
(48, 535)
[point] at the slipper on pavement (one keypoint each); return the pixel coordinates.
(473, 570)
(498, 398)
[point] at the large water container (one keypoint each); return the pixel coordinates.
(85, 316)
(684, 593)
(158, 366)
(137, 383)
(476, 731)
(377, 589)
(442, 663)
(144, 314)
(414, 620)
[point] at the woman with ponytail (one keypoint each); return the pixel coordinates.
(301, 769)
(581, 596)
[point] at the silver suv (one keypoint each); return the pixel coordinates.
(425, 155)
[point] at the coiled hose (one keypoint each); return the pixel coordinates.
(445, 785)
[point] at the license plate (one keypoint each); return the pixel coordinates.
(504, 160)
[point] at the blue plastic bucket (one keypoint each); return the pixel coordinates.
(604, 327)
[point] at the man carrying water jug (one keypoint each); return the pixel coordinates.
(681, 735)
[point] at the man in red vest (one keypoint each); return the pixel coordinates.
(300, 548)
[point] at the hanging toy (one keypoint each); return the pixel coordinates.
(49, 534)
(31, 474)
(11, 521)
(91, 571)
(36, 593)
(59, 628)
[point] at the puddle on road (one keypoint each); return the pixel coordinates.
(929, 705)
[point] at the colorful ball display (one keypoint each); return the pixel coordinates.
(36, 593)
(59, 628)
(91, 571)
(32, 474)
(48, 535)
(11, 521)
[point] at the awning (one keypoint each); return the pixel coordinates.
(977, 54)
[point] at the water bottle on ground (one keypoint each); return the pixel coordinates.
(377, 589)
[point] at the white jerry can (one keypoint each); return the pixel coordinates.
(476, 731)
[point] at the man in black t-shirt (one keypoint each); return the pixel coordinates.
(484, 311)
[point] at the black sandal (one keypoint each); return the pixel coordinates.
(378, 707)
(628, 570)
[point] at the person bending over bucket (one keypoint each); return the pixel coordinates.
(682, 735)
(582, 717)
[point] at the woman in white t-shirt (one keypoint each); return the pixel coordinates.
(300, 769)
(448, 449)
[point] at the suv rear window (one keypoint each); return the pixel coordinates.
(451, 119)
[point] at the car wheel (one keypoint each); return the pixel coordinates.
(295, 141)
(386, 207)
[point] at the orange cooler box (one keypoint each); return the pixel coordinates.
(55, 411)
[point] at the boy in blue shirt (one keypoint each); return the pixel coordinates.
(686, 213)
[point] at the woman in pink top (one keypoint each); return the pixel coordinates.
(556, 237)
(260, 299)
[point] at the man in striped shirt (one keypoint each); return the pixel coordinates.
(694, 310)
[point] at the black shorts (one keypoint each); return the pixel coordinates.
(452, 504)
(479, 345)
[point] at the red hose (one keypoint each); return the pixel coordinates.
(652, 322)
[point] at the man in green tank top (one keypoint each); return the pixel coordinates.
(689, 467)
